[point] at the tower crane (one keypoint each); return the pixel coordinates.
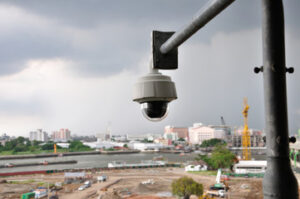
(223, 121)
(246, 135)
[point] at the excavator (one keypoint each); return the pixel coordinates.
(217, 190)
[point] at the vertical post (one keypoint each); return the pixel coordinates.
(279, 181)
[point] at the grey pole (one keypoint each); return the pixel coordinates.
(208, 12)
(279, 181)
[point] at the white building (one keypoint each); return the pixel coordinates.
(63, 145)
(146, 146)
(198, 133)
(103, 144)
(38, 135)
(250, 166)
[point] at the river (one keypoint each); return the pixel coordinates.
(92, 161)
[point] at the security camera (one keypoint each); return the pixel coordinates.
(154, 92)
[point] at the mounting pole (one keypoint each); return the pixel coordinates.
(279, 181)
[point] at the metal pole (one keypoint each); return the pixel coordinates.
(279, 181)
(208, 12)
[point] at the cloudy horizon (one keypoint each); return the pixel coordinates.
(72, 64)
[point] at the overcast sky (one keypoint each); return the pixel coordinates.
(72, 64)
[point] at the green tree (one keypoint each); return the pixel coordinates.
(20, 140)
(212, 142)
(78, 146)
(185, 186)
(20, 148)
(36, 143)
(221, 157)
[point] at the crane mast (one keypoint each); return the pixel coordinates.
(246, 135)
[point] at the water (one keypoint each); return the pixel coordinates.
(92, 161)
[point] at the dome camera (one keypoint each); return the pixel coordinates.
(154, 92)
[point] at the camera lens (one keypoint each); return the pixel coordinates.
(155, 110)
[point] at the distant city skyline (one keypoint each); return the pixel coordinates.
(72, 64)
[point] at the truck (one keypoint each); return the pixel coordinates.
(217, 193)
(29, 195)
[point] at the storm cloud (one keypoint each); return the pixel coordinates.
(73, 63)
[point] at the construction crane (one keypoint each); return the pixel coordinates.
(223, 121)
(246, 135)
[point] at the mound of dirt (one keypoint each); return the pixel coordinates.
(148, 188)
(111, 195)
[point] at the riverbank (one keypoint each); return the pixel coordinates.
(46, 155)
(9, 165)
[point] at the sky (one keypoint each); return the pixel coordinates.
(73, 64)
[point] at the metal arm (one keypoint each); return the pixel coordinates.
(208, 12)
(165, 54)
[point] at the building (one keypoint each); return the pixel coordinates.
(38, 135)
(4, 138)
(63, 135)
(198, 133)
(146, 146)
(142, 137)
(256, 138)
(119, 138)
(175, 133)
(250, 166)
(103, 136)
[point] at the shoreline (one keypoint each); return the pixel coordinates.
(46, 155)
(95, 169)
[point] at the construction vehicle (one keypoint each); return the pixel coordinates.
(206, 196)
(216, 193)
(217, 190)
(246, 135)
(29, 195)
(220, 185)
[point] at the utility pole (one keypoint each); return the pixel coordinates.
(279, 180)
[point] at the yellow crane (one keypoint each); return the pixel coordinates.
(246, 144)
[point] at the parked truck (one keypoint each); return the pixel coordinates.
(29, 195)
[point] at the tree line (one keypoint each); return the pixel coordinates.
(22, 144)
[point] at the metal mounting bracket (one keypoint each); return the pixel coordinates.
(168, 61)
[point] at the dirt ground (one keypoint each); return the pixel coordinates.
(130, 184)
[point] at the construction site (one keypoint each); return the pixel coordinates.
(129, 183)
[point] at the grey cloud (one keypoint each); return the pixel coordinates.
(115, 49)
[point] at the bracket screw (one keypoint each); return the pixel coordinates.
(290, 70)
(258, 69)
(292, 139)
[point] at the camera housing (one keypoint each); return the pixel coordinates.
(154, 92)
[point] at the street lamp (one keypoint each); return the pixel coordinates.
(279, 181)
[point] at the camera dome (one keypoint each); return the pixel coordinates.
(155, 110)
(154, 91)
